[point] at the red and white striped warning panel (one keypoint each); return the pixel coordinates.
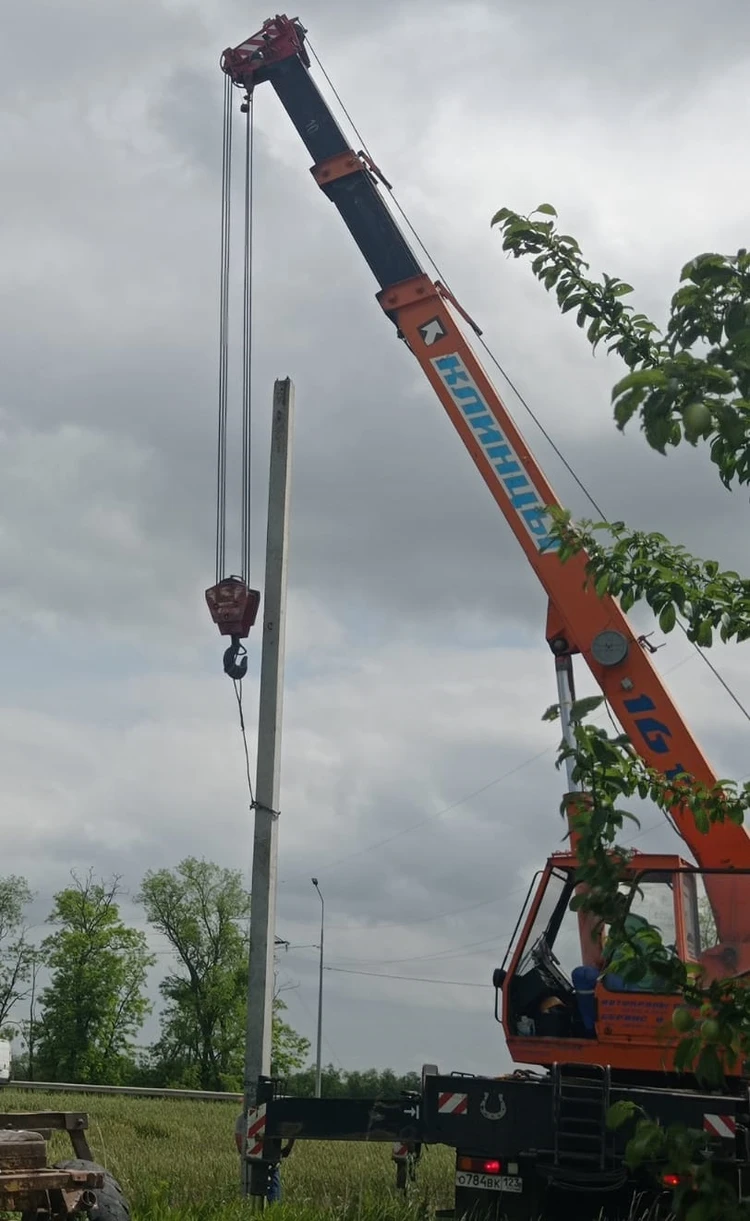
(453, 1104)
(256, 1131)
(400, 1152)
(724, 1126)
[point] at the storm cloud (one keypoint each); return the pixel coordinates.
(418, 780)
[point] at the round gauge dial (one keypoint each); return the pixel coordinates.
(609, 648)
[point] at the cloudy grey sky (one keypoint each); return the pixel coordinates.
(418, 780)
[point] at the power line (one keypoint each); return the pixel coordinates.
(456, 804)
(465, 948)
(458, 949)
(455, 911)
(301, 998)
(409, 979)
(449, 952)
(719, 677)
(438, 813)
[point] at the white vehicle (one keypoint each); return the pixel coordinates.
(4, 1061)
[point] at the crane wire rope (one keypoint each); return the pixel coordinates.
(247, 398)
(509, 381)
(226, 218)
(247, 347)
(247, 342)
(223, 380)
(237, 685)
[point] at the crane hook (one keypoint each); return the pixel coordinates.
(233, 609)
(235, 660)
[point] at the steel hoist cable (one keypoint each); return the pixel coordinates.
(226, 219)
(247, 343)
(496, 362)
(224, 316)
(233, 605)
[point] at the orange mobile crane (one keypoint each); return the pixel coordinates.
(529, 1136)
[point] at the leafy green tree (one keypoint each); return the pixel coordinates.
(690, 382)
(706, 923)
(203, 911)
(289, 1050)
(15, 951)
(30, 1024)
(95, 1001)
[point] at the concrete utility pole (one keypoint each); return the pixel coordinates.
(318, 1059)
(260, 982)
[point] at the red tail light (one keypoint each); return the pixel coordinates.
(672, 1180)
(480, 1165)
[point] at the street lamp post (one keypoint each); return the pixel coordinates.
(318, 1064)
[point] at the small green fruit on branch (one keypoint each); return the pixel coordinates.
(701, 395)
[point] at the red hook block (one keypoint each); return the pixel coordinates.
(233, 607)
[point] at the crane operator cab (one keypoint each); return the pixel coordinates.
(563, 982)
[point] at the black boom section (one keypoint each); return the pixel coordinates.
(364, 213)
(359, 1119)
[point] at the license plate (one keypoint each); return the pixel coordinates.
(489, 1182)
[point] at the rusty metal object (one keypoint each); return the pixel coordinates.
(77, 1200)
(74, 1123)
(27, 1183)
(57, 1192)
(22, 1150)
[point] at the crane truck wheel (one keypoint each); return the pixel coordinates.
(111, 1204)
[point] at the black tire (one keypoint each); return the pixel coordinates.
(111, 1204)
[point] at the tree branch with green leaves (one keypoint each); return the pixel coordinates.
(611, 773)
(692, 380)
(689, 381)
(645, 566)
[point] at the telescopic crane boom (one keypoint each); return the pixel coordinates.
(424, 315)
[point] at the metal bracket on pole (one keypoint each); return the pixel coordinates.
(260, 982)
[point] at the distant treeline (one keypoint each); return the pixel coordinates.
(336, 1083)
(78, 997)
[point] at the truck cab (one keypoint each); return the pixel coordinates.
(565, 1000)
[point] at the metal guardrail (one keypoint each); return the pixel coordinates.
(132, 1091)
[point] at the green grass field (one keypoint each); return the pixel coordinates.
(177, 1159)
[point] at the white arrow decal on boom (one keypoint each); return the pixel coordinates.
(432, 331)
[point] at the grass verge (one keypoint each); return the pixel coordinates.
(177, 1159)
